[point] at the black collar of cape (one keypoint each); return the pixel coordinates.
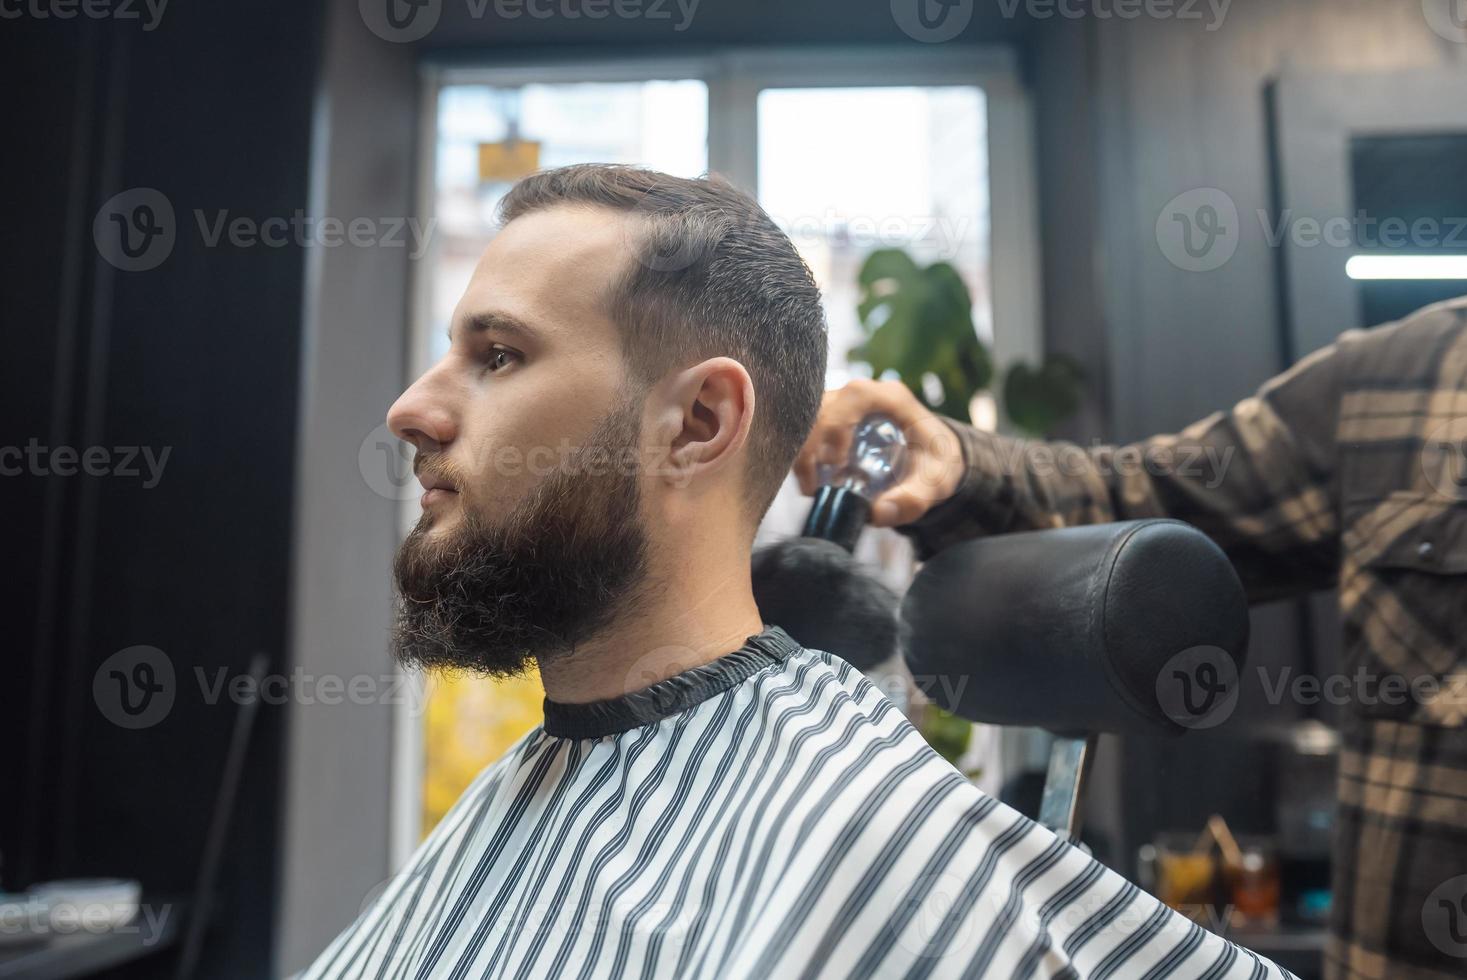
(672, 696)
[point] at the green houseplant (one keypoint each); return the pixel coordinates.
(918, 322)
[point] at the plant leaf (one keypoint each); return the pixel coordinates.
(1038, 400)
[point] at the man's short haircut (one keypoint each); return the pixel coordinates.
(709, 275)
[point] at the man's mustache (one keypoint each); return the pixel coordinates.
(439, 468)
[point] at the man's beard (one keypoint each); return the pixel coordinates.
(572, 557)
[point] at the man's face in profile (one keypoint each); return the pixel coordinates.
(528, 444)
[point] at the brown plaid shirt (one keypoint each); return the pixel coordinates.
(1348, 470)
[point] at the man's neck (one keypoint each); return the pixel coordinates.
(683, 620)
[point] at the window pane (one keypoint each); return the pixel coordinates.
(846, 171)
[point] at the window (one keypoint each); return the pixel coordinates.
(843, 166)
(845, 171)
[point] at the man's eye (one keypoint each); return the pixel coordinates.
(500, 358)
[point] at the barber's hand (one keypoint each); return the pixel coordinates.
(934, 456)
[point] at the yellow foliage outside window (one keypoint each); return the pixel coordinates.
(470, 722)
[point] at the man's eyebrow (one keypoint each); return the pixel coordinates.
(491, 321)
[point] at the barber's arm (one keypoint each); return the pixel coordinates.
(1259, 479)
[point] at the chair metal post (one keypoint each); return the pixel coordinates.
(1062, 807)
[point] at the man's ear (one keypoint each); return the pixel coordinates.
(709, 410)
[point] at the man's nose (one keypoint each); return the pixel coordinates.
(421, 416)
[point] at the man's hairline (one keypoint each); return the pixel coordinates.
(615, 289)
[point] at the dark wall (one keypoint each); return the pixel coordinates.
(1130, 115)
(1135, 112)
(197, 357)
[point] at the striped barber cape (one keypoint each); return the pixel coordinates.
(770, 814)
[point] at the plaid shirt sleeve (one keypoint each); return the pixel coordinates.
(1259, 479)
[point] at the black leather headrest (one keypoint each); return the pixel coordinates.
(1083, 629)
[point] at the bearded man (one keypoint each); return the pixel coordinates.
(633, 368)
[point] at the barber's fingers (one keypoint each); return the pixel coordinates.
(934, 471)
(934, 466)
(898, 506)
(840, 411)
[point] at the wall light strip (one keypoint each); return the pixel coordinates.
(1407, 267)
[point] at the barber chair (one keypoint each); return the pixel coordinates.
(1133, 628)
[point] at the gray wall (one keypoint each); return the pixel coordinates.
(337, 824)
(193, 357)
(1131, 114)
